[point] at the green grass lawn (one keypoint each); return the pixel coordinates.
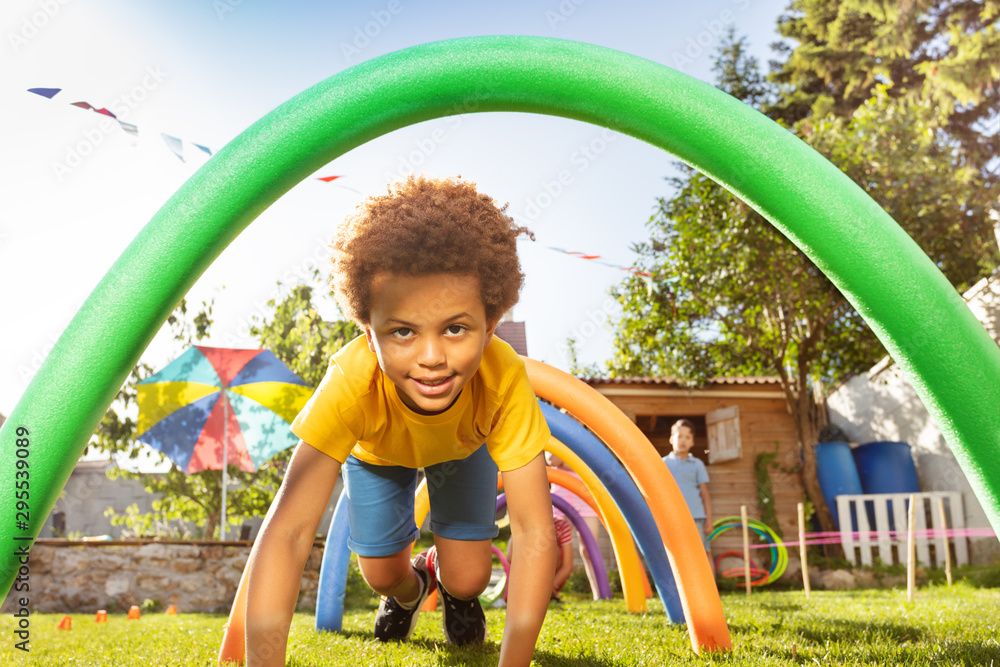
(957, 626)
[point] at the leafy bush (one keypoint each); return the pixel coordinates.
(150, 606)
(577, 582)
(981, 577)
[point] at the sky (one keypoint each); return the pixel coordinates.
(77, 188)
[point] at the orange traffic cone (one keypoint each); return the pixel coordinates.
(66, 623)
(102, 616)
(430, 604)
(171, 610)
(133, 613)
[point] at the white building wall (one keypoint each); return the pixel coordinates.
(882, 405)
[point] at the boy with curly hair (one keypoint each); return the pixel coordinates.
(427, 271)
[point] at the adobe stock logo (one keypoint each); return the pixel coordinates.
(32, 24)
(363, 35)
(700, 43)
(562, 12)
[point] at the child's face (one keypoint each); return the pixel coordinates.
(429, 334)
(682, 440)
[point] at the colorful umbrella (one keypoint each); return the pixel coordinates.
(212, 406)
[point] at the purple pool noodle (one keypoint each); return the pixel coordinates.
(600, 571)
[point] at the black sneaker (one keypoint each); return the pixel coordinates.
(464, 620)
(395, 622)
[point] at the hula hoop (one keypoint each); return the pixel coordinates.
(773, 551)
(736, 572)
(729, 554)
(491, 595)
(779, 554)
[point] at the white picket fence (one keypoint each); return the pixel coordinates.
(859, 538)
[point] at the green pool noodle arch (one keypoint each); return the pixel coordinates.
(950, 359)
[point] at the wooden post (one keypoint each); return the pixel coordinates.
(911, 549)
(802, 549)
(746, 547)
(947, 542)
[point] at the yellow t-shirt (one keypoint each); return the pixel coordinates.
(357, 410)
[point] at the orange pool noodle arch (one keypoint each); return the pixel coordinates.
(695, 582)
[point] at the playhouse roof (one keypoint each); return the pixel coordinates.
(674, 382)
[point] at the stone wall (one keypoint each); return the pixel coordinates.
(198, 577)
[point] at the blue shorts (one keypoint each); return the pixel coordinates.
(463, 498)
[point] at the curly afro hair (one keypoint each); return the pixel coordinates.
(424, 226)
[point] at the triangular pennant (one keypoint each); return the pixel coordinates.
(129, 127)
(45, 92)
(83, 105)
(204, 148)
(175, 145)
(650, 285)
(327, 179)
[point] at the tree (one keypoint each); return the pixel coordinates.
(738, 73)
(895, 149)
(942, 52)
(575, 367)
(301, 339)
(733, 296)
(299, 336)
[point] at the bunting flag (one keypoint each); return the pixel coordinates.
(89, 107)
(599, 260)
(45, 92)
(331, 179)
(175, 145)
(652, 286)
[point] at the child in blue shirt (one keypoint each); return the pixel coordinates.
(691, 477)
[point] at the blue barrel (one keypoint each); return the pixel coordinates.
(837, 473)
(886, 467)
